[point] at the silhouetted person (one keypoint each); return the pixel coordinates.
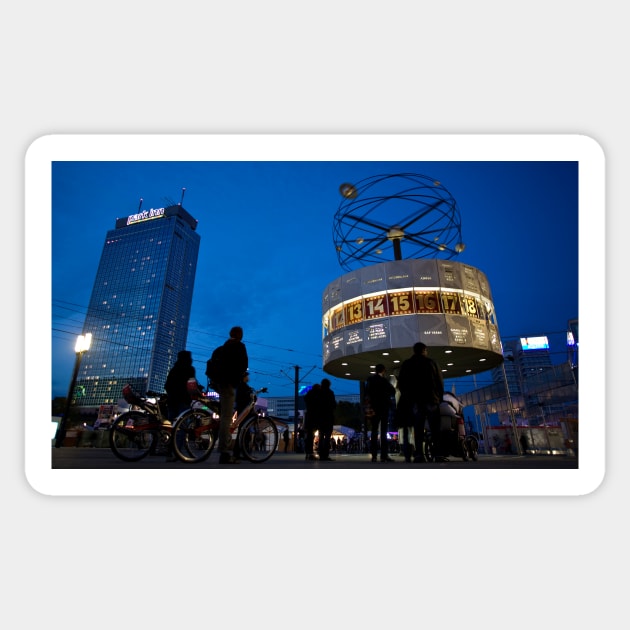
(524, 443)
(380, 392)
(421, 390)
(176, 387)
(312, 419)
(327, 420)
(234, 362)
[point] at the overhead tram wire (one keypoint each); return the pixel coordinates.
(106, 313)
(256, 343)
(200, 348)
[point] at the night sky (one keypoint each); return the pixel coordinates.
(267, 250)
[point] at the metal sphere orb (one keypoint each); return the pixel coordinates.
(348, 191)
(383, 216)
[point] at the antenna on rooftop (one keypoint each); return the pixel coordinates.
(140, 205)
(182, 199)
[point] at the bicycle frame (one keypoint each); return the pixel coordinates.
(238, 419)
(142, 430)
(149, 403)
(196, 430)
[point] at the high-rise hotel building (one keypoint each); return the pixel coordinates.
(525, 359)
(139, 310)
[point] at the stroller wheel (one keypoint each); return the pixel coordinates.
(464, 449)
(473, 448)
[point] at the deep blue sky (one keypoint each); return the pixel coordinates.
(267, 250)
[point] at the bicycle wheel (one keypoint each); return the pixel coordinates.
(258, 439)
(194, 435)
(132, 436)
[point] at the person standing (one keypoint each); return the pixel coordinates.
(403, 419)
(285, 437)
(421, 390)
(312, 419)
(234, 364)
(176, 387)
(327, 420)
(379, 391)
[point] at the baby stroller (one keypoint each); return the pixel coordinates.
(447, 433)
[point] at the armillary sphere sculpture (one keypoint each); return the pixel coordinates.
(380, 213)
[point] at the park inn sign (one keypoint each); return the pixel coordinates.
(142, 216)
(145, 215)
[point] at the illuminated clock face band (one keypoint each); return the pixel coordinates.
(407, 302)
(378, 313)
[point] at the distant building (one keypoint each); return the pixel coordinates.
(284, 406)
(541, 393)
(139, 310)
(525, 359)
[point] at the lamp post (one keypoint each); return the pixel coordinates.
(82, 345)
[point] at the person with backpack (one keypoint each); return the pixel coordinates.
(421, 391)
(225, 376)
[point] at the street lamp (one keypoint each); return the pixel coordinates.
(82, 345)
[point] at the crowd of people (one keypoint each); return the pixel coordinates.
(421, 389)
(231, 386)
(419, 383)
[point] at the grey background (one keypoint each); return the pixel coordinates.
(345, 67)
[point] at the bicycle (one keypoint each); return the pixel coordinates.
(196, 431)
(143, 430)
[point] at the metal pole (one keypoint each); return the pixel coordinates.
(60, 436)
(511, 410)
(397, 249)
(364, 422)
(544, 420)
(296, 405)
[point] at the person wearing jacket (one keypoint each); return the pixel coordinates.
(379, 391)
(234, 364)
(421, 390)
(312, 419)
(176, 387)
(328, 404)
